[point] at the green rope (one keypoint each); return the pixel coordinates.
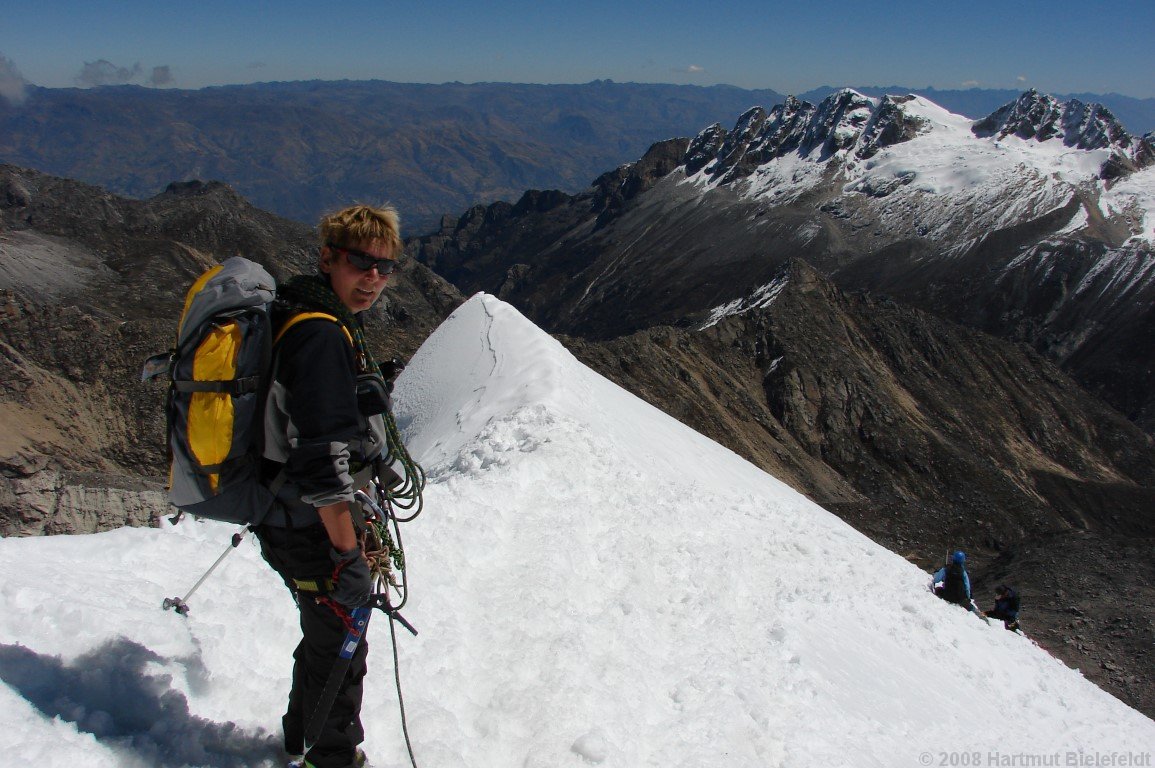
(387, 554)
(406, 495)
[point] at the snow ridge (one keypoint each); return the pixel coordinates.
(594, 584)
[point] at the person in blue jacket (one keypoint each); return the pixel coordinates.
(953, 582)
(1006, 607)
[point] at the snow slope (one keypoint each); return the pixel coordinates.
(595, 584)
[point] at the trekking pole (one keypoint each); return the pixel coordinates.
(360, 621)
(180, 604)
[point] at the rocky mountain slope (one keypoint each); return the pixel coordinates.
(90, 285)
(1045, 240)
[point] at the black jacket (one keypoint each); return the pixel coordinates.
(313, 427)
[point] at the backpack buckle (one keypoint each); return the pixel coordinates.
(157, 365)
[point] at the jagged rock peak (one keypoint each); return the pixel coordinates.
(889, 124)
(1042, 117)
(838, 123)
(704, 148)
(845, 122)
(613, 189)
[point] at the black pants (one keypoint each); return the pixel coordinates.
(303, 554)
(1009, 620)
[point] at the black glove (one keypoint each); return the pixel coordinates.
(352, 582)
(390, 370)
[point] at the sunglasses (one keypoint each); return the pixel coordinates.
(365, 261)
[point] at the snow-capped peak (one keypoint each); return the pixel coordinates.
(1042, 118)
(957, 177)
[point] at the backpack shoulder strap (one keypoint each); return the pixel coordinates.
(303, 316)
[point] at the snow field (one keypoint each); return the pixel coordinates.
(594, 584)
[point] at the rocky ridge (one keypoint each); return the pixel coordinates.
(1040, 117)
(844, 121)
(854, 126)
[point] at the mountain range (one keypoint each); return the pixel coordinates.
(823, 288)
(802, 288)
(298, 149)
(1034, 224)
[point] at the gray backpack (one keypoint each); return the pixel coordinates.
(215, 407)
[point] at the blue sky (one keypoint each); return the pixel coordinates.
(1058, 46)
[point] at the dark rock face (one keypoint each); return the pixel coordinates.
(704, 148)
(614, 189)
(1040, 117)
(889, 125)
(90, 286)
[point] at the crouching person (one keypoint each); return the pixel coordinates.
(1006, 607)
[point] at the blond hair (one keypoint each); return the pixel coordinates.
(362, 224)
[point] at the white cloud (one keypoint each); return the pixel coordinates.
(970, 84)
(104, 72)
(161, 75)
(12, 83)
